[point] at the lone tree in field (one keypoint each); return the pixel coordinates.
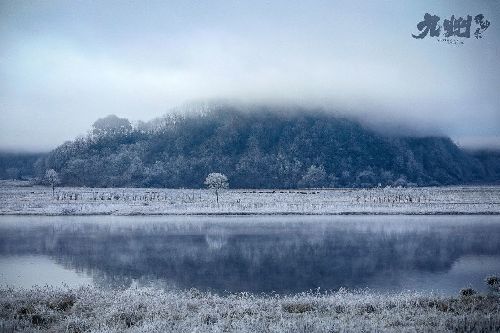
(216, 182)
(52, 178)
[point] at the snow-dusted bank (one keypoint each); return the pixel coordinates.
(152, 310)
(38, 200)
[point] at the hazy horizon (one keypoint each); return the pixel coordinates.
(64, 64)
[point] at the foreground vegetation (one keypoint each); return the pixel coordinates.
(152, 310)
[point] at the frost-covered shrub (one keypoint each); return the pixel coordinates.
(493, 281)
(467, 292)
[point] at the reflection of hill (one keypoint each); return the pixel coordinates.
(265, 257)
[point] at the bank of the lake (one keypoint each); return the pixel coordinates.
(455, 200)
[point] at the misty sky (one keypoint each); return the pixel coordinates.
(63, 64)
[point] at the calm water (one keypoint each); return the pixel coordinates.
(257, 254)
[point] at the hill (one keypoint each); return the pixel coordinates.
(265, 148)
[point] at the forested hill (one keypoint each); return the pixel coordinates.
(259, 149)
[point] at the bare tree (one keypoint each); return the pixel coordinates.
(52, 178)
(216, 182)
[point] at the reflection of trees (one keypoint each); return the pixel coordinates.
(292, 258)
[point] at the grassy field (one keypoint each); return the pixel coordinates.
(150, 310)
(38, 200)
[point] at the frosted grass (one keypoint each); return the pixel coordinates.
(38, 200)
(152, 310)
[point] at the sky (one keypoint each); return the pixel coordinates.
(64, 64)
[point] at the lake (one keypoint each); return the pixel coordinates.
(282, 254)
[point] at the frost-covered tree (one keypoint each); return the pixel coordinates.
(366, 178)
(52, 178)
(314, 177)
(111, 125)
(400, 182)
(216, 182)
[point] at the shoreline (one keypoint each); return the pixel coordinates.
(264, 214)
(78, 201)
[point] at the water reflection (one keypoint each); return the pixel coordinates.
(264, 254)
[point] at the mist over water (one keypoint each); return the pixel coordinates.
(254, 254)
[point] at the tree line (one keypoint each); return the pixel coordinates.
(264, 148)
